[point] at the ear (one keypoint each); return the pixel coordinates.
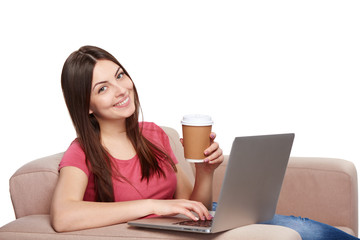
(91, 111)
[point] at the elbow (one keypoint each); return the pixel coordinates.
(58, 228)
(59, 221)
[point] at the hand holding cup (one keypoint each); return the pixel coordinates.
(196, 131)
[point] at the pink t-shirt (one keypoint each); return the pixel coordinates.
(156, 188)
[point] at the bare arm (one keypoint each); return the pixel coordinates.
(69, 212)
(202, 190)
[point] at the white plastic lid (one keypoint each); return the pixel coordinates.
(197, 120)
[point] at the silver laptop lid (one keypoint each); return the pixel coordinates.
(253, 180)
(250, 189)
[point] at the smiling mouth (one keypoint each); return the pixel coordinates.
(119, 104)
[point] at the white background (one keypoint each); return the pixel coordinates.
(257, 67)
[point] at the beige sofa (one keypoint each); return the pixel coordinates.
(322, 189)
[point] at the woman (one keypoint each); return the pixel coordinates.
(119, 169)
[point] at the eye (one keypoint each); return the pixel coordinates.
(120, 75)
(102, 89)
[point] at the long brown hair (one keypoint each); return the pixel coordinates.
(76, 80)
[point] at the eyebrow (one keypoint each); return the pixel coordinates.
(99, 83)
(117, 71)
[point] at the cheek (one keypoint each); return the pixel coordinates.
(130, 84)
(93, 106)
(130, 87)
(97, 103)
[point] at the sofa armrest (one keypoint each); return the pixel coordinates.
(32, 186)
(322, 189)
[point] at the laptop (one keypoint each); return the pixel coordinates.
(250, 189)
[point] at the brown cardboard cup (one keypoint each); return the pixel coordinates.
(196, 136)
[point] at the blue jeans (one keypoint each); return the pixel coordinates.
(310, 229)
(307, 228)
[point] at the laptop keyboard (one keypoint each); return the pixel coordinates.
(200, 223)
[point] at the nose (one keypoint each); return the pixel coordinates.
(119, 90)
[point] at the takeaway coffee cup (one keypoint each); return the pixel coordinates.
(196, 136)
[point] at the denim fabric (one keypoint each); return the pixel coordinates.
(307, 228)
(310, 229)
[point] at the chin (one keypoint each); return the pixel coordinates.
(129, 112)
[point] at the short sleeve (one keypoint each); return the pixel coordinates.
(75, 157)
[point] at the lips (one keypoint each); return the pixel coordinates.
(123, 102)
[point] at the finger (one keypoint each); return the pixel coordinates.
(212, 148)
(182, 141)
(218, 160)
(205, 211)
(180, 206)
(207, 215)
(215, 157)
(201, 210)
(189, 214)
(212, 136)
(194, 207)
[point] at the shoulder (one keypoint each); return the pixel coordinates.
(150, 128)
(75, 149)
(74, 156)
(154, 133)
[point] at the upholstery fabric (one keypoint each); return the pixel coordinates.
(323, 189)
(37, 227)
(314, 186)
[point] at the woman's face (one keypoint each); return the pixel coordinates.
(112, 94)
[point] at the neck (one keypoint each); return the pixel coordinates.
(116, 141)
(112, 129)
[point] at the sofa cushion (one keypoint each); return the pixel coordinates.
(37, 227)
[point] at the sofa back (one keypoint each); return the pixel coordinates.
(32, 185)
